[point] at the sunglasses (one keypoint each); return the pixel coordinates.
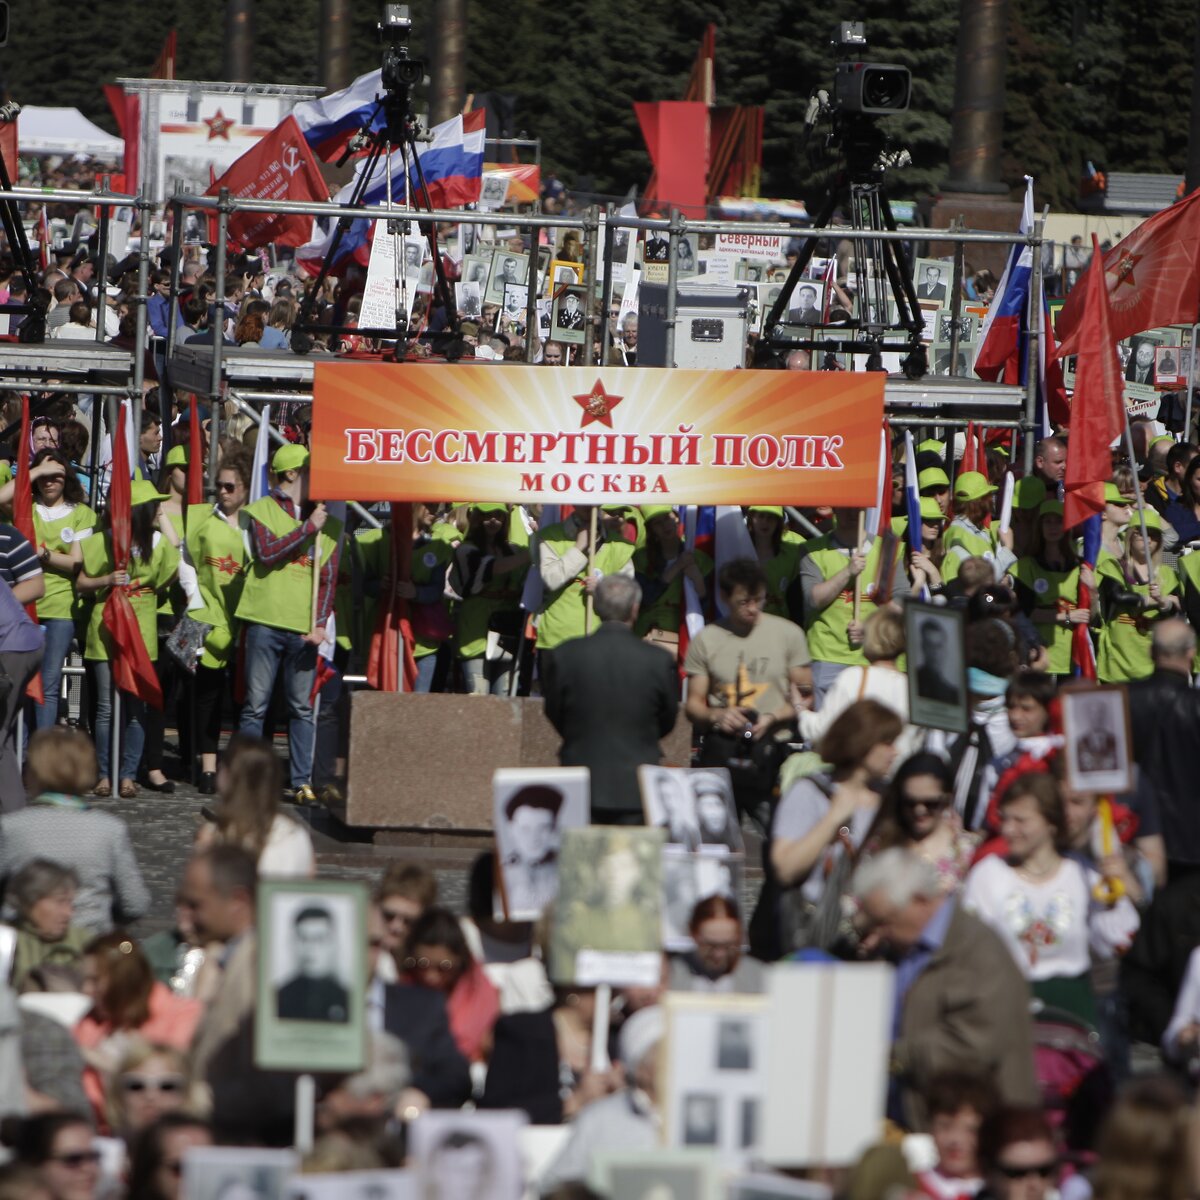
(226, 487)
(80, 1158)
(168, 1084)
(444, 967)
(934, 804)
(391, 914)
(1043, 1170)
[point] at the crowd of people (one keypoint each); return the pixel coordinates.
(1044, 942)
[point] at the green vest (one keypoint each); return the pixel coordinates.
(502, 594)
(218, 552)
(665, 612)
(828, 628)
(781, 569)
(429, 555)
(1057, 591)
(146, 580)
(281, 596)
(1123, 652)
(564, 612)
(962, 541)
(60, 602)
(1187, 570)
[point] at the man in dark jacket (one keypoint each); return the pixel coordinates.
(611, 697)
(1164, 713)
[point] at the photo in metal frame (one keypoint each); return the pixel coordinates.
(569, 318)
(508, 266)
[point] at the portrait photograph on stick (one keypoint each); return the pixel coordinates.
(682, 1174)
(507, 267)
(224, 1172)
(569, 316)
(694, 805)
(688, 878)
(311, 962)
(1097, 739)
(460, 1155)
(531, 810)
(937, 671)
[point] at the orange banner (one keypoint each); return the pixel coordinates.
(638, 435)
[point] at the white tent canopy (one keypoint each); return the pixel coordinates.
(63, 131)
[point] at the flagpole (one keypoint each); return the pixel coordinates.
(1034, 348)
(858, 549)
(591, 564)
(1141, 503)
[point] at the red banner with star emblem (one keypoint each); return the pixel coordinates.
(635, 435)
(1152, 276)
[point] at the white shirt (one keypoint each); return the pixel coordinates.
(1187, 1006)
(1055, 927)
(288, 853)
(888, 686)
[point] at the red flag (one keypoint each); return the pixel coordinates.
(8, 148)
(131, 666)
(1151, 278)
(970, 458)
(164, 65)
(23, 520)
(280, 166)
(127, 112)
(1098, 409)
(195, 475)
(392, 629)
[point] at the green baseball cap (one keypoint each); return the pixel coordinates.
(650, 511)
(774, 510)
(971, 485)
(616, 508)
(1112, 495)
(933, 477)
(142, 491)
(177, 456)
(930, 510)
(489, 506)
(1050, 508)
(1028, 493)
(289, 458)
(932, 447)
(1153, 521)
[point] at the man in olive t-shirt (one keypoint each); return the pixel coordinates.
(739, 673)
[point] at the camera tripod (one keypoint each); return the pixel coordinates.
(859, 186)
(399, 130)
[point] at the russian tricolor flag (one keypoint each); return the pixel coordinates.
(452, 162)
(1004, 339)
(329, 123)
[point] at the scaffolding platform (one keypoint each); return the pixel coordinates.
(191, 368)
(78, 360)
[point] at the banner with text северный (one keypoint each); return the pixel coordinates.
(636, 435)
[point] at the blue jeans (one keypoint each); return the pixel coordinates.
(426, 666)
(132, 714)
(267, 650)
(59, 633)
(488, 678)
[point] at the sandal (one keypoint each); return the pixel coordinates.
(103, 788)
(129, 789)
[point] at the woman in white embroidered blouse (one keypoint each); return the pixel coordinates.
(1043, 905)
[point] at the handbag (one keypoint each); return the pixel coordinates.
(186, 642)
(504, 634)
(431, 622)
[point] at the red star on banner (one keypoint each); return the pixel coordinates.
(1124, 270)
(218, 126)
(597, 405)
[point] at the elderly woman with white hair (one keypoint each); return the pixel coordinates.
(624, 1121)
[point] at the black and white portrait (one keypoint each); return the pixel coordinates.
(1140, 367)
(806, 305)
(733, 1045)
(1167, 365)
(493, 190)
(686, 262)
(316, 988)
(470, 299)
(936, 666)
(507, 267)
(945, 328)
(657, 248)
(941, 362)
(931, 284)
(688, 878)
(701, 1119)
(414, 255)
(1096, 730)
(530, 811)
(475, 270)
(468, 1155)
(356, 1185)
(695, 806)
(515, 297)
(226, 1173)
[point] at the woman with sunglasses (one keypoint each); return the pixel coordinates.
(1134, 592)
(153, 562)
(918, 814)
(217, 550)
(127, 1002)
(438, 957)
(61, 1146)
(925, 562)
(156, 1161)
(150, 1080)
(1118, 512)
(61, 522)
(1042, 903)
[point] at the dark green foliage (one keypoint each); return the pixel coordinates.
(1087, 79)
